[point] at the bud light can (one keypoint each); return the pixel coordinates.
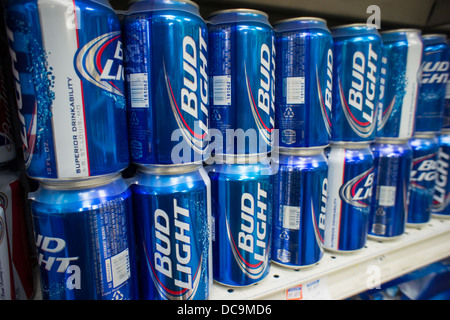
(441, 197)
(68, 73)
(172, 210)
(425, 149)
(242, 221)
(242, 73)
(166, 68)
(446, 120)
(304, 78)
(350, 179)
(300, 199)
(392, 169)
(85, 239)
(435, 71)
(400, 66)
(356, 73)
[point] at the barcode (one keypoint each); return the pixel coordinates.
(295, 90)
(120, 265)
(291, 217)
(386, 196)
(139, 90)
(222, 90)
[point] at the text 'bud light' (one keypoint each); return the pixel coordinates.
(356, 73)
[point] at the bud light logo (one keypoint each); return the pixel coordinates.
(358, 191)
(326, 99)
(359, 102)
(189, 105)
(441, 198)
(263, 109)
(175, 273)
(100, 62)
(250, 247)
(435, 72)
(423, 173)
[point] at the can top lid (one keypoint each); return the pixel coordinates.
(84, 183)
(300, 23)
(354, 29)
(429, 39)
(424, 135)
(350, 144)
(238, 15)
(402, 30)
(155, 5)
(300, 151)
(168, 169)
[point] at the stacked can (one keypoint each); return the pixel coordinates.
(425, 149)
(166, 68)
(356, 79)
(242, 96)
(303, 115)
(429, 168)
(441, 197)
(435, 73)
(67, 65)
(402, 56)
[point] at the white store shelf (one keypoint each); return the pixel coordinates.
(339, 276)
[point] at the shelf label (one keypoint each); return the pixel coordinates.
(313, 290)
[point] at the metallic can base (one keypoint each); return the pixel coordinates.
(296, 267)
(416, 225)
(232, 285)
(168, 169)
(352, 251)
(383, 238)
(440, 216)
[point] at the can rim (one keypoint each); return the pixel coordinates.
(238, 10)
(401, 30)
(168, 169)
(391, 140)
(356, 24)
(240, 158)
(300, 151)
(300, 19)
(425, 135)
(80, 183)
(351, 144)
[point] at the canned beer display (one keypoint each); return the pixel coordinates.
(166, 156)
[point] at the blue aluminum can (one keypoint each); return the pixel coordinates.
(435, 71)
(304, 78)
(356, 73)
(242, 222)
(392, 163)
(441, 197)
(67, 65)
(425, 149)
(300, 199)
(350, 180)
(446, 120)
(85, 239)
(173, 235)
(401, 61)
(166, 68)
(242, 89)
